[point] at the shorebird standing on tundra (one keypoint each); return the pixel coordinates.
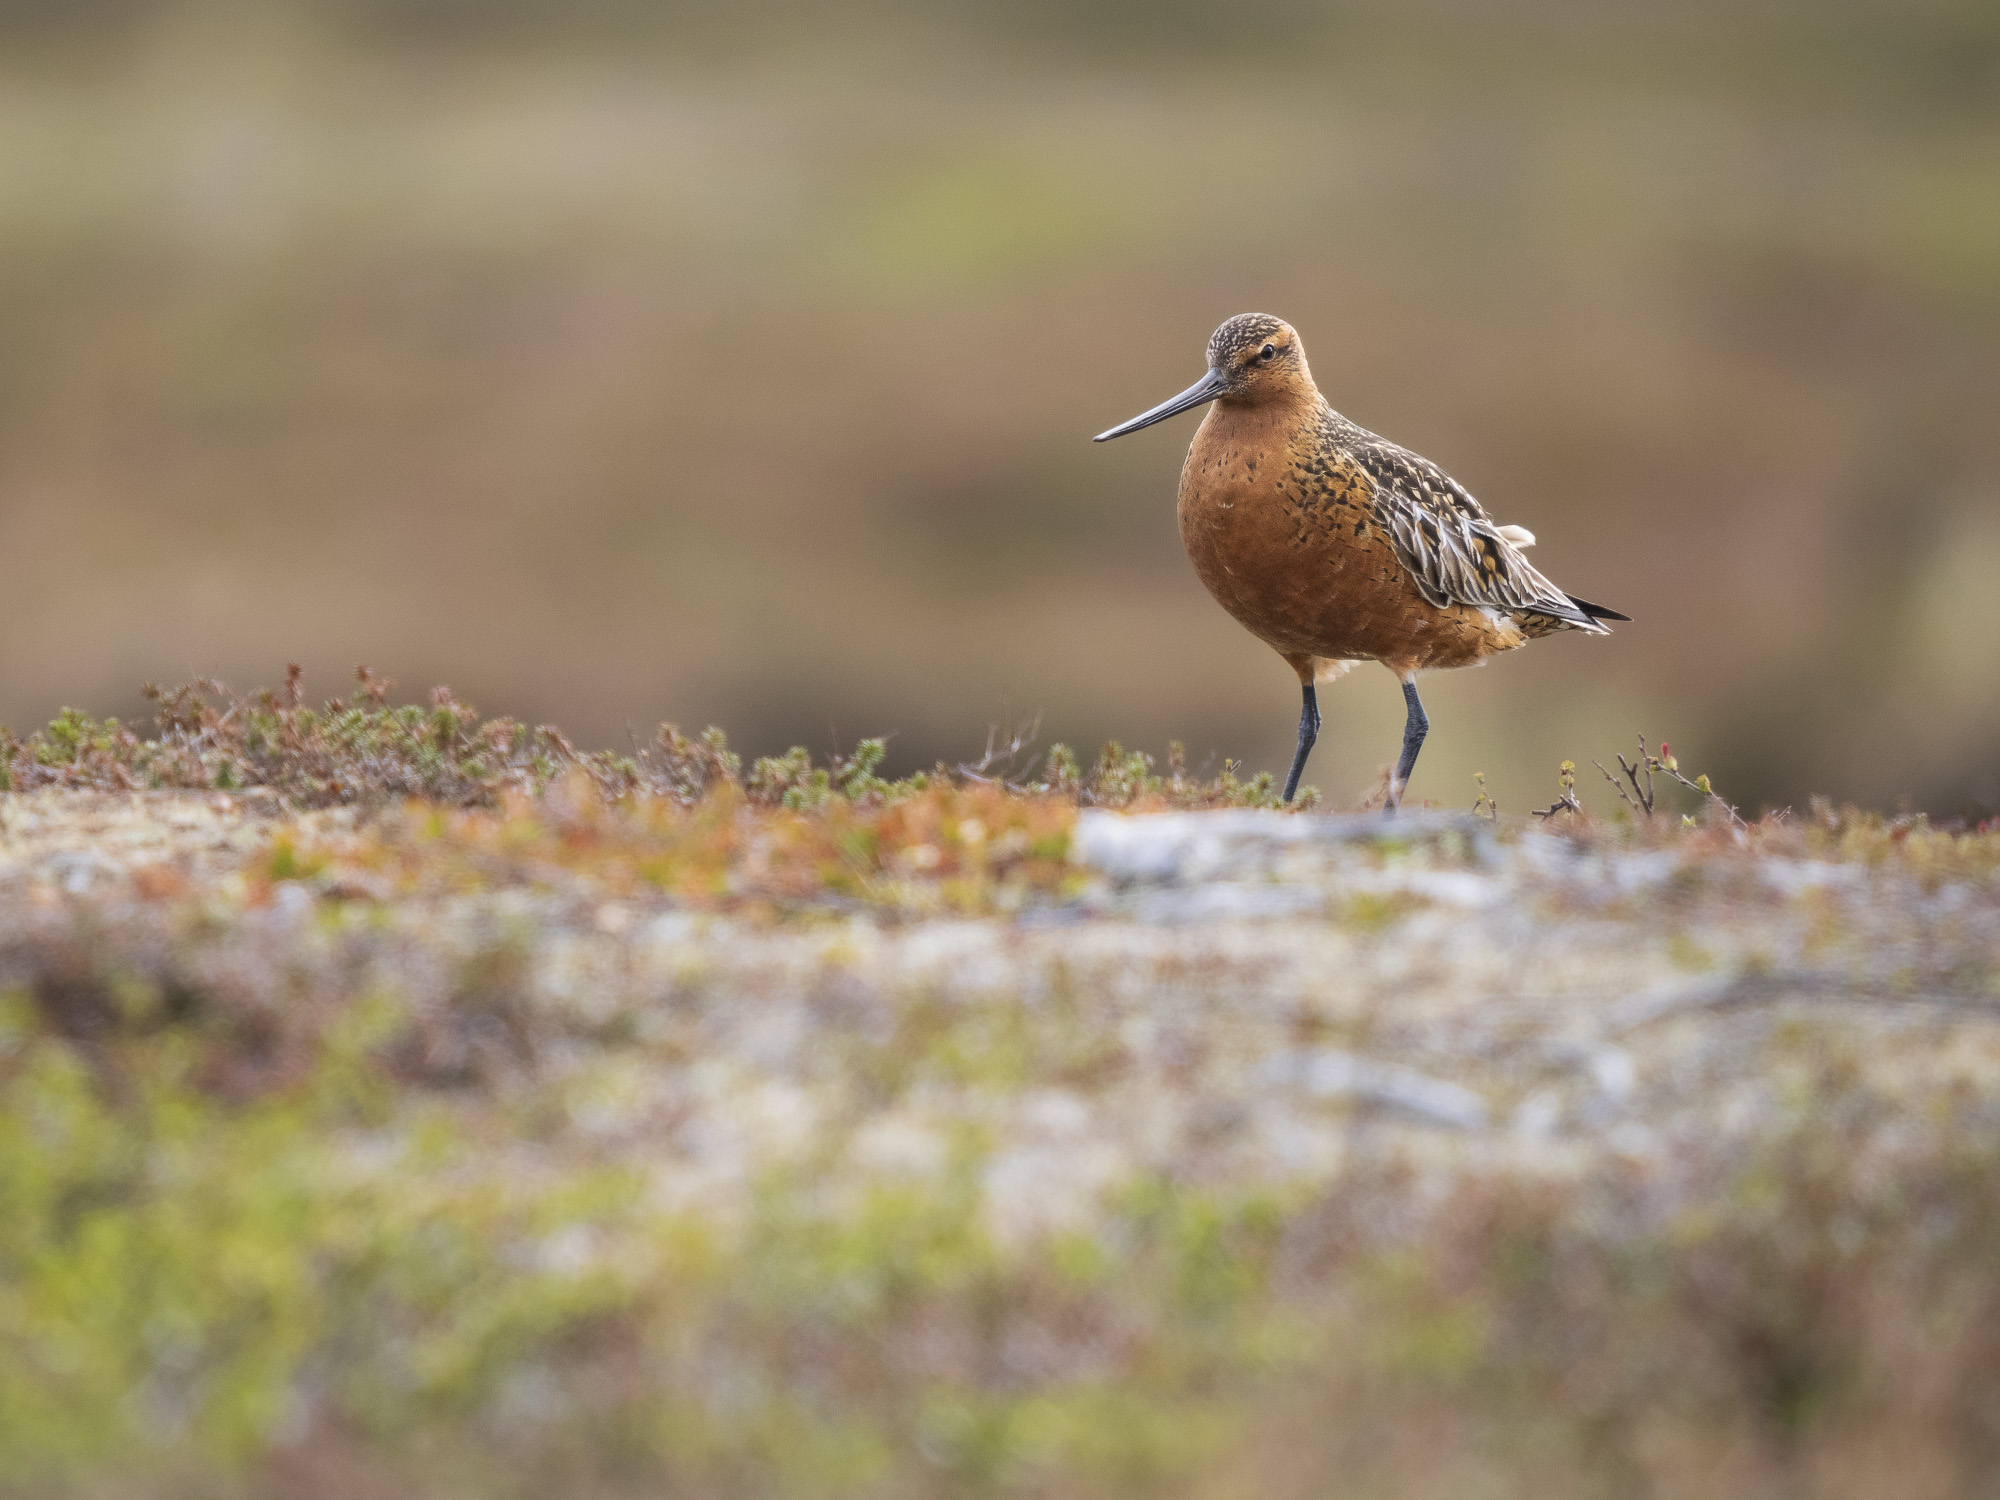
(1333, 546)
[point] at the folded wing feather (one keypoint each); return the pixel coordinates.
(1453, 550)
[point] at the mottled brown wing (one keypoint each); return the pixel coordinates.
(1451, 547)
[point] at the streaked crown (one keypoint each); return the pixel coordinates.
(1241, 332)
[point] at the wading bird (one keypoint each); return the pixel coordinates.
(1334, 546)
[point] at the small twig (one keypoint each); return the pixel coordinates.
(1566, 779)
(1616, 785)
(1643, 796)
(1700, 784)
(1002, 758)
(1485, 805)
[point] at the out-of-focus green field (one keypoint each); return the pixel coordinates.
(619, 363)
(786, 1131)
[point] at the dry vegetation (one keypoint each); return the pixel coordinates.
(410, 1105)
(207, 738)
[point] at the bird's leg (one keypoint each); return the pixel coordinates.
(1308, 732)
(1414, 729)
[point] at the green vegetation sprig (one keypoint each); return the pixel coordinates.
(1639, 775)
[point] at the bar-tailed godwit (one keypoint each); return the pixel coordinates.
(1333, 546)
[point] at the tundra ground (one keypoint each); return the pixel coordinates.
(954, 1140)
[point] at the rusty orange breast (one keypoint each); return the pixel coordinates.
(1281, 530)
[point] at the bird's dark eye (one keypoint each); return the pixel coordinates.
(1268, 353)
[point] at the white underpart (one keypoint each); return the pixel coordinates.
(1500, 620)
(1520, 536)
(1326, 668)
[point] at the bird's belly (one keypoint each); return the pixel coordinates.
(1321, 580)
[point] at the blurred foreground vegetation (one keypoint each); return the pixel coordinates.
(349, 1283)
(585, 1130)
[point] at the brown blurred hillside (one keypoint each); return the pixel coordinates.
(619, 363)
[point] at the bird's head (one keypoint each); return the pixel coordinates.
(1252, 359)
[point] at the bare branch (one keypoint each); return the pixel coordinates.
(1616, 785)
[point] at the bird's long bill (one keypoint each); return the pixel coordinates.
(1203, 390)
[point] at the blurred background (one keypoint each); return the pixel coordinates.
(617, 362)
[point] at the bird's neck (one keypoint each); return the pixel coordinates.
(1270, 411)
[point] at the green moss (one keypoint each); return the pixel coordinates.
(192, 1277)
(1372, 911)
